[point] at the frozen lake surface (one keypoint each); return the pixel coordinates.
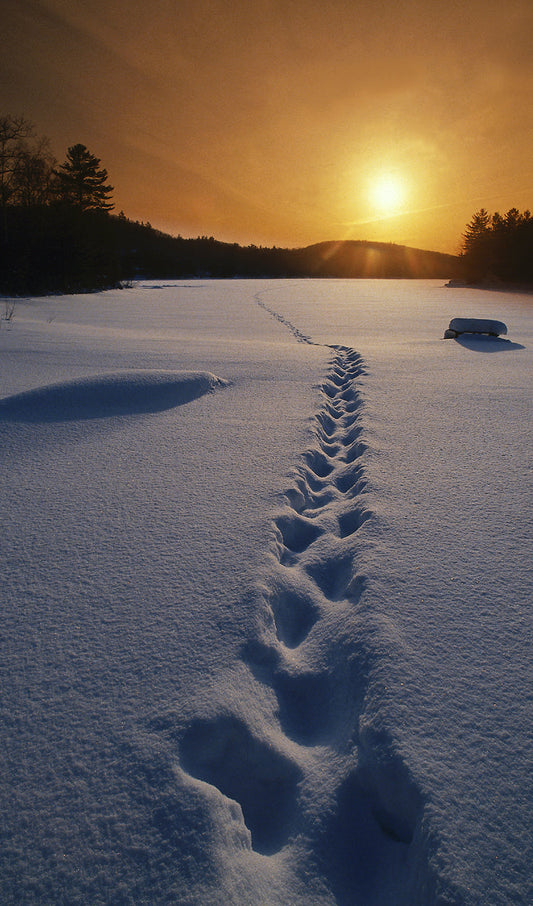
(266, 596)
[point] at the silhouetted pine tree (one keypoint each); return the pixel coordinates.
(82, 182)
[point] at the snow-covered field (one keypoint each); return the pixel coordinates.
(266, 589)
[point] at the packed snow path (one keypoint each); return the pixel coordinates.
(315, 651)
(313, 580)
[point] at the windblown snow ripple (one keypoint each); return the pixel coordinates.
(101, 396)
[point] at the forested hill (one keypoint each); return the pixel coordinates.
(357, 258)
(147, 252)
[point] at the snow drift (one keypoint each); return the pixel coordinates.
(122, 393)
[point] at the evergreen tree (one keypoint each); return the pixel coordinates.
(499, 248)
(477, 246)
(478, 228)
(82, 183)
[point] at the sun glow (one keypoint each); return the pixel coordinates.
(387, 192)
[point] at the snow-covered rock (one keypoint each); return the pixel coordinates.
(458, 326)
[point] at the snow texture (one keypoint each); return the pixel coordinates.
(266, 635)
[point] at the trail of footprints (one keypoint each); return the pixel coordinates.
(297, 334)
(319, 676)
(312, 571)
(323, 510)
(318, 685)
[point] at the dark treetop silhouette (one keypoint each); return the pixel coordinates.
(82, 182)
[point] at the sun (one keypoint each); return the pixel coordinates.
(387, 192)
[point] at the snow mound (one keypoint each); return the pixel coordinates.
(100, 396)
(475, 325)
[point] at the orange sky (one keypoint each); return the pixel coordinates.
(271, 121)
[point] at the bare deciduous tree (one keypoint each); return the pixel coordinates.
(14, 131)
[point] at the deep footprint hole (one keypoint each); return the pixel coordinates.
(223, 752)
(317, 502)
(352, 435)
(294, 616)
(312, 480)
(319, 463)
(353, 405)
(350, 394)
(351, 420)
(346, 481)
(305, 707)
(334, 411)
(296, 498)
(297, 532)
(384, 776)
(351, 521)
(364, 858)
(332, 575)
(328, 425)
(355, 451)
(330, 449)
(330, 388)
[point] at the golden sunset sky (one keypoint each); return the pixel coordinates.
(286, 122)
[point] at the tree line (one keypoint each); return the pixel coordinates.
(58, 233)
(498, 248)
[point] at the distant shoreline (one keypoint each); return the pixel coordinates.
(495, 287)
